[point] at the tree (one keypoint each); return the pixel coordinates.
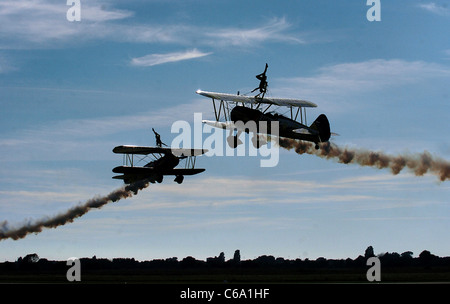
(221, 258)
(237, 257)
(427, 258)
(407, 255)
(369, 252)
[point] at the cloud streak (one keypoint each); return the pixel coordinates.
(436, 9)
(28, 24)
(372, 74)
(156, 59)
(335, 86)
(276, 30)
(72, 138)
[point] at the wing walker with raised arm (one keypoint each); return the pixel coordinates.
(232, 108)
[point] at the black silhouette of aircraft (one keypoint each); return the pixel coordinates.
(241, 108)
(234, 108)
(164, 162)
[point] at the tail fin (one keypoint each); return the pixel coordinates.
(322, 125)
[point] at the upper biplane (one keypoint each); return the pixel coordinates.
(164, 162)
(232, 108)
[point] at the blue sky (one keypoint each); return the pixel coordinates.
(71, 91)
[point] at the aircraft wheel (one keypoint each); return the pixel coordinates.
(179, 179)
(159, 179)
(316, 146)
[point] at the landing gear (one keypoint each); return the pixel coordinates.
(317, 146)
(159, 179)
(179, 179)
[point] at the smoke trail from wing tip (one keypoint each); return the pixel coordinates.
(70, 215)
(419, 164)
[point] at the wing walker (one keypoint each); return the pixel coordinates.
(164, 162)
(232, 112)
(231, 108)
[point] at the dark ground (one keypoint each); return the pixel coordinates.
(394, 268)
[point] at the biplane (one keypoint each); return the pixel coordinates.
(164, 162)
(231, 108)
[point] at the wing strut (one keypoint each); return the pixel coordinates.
(299, 111)
(128, 159)
(223, 107)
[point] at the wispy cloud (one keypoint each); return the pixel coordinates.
(28, 23)
(74, 138)
(43, 24)
(342, 80)
(437, 9)
(371, 74)
(156, 59)
(276, 30)
(353, 193)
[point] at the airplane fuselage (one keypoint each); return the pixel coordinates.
(286, 125)
(161, 165)
(168, 161)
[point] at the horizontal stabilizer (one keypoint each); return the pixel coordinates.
(305, 131)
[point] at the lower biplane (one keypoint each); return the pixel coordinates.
(230, 109)
(164, 162)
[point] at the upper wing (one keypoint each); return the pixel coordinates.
(188, 152)
(227, 97)
(140, 150)
(254, 100)
(149, 150)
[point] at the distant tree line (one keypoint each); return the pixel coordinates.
(32, 262)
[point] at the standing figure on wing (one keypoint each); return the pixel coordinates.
(159, 143)
(262, 83)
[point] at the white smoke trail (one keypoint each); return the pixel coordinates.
(419, 164)
(7, 232)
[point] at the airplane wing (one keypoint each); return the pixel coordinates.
(188, 152)
(148, 171)
(183, 171)
(288, 102)
(140, 150)
(219, 124)
(150, 150)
